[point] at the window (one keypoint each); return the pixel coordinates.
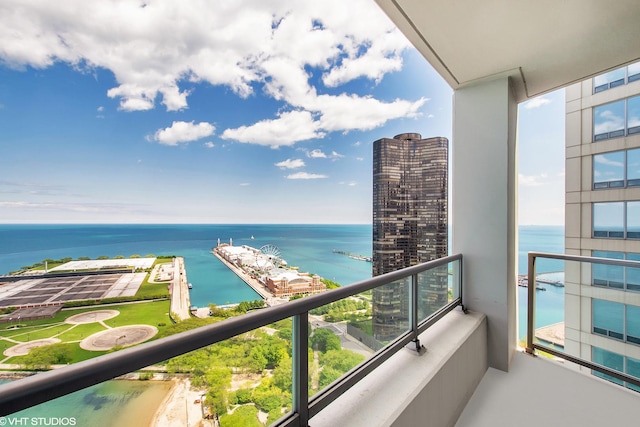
(614, 276)
(608, 220)
(608, 359)
(608, 318)
(616, 320)
(616, 220)
(633, 115)
(615, 78)
(609, 120)
(633, 167)
(611, 79)
(609, 170)
(616, 169)
(633, 324)
(608, 275)
(633, 220)
(617, 362)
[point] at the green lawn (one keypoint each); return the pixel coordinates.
(146, 313)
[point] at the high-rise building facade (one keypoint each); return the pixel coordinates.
(602, 219)
(409, 224)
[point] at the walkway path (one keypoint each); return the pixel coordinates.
(180, 303)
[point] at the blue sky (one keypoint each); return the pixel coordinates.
(249, 112)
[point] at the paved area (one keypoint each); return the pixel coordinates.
(122, 336)
(180, 301)
(93, 264)
(92, 317)
(23, 349)
(72, 288)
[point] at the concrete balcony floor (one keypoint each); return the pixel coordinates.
(539, 392)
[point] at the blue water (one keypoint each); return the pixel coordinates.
(309, 247)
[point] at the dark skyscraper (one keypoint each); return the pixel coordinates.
(409, 225)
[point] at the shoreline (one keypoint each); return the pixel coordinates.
(254, 284)
(180, 407)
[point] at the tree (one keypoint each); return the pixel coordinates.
(282, 375)
(324, 340)
(45, 356)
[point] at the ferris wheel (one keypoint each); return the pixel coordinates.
(269, 257)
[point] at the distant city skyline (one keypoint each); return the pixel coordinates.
(125, 114)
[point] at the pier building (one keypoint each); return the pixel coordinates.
(266, 272)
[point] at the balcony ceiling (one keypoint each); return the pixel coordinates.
(543, 45)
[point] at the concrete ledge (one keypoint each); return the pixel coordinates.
(408, 389)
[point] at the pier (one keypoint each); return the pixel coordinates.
(180, 301)
(260, 289)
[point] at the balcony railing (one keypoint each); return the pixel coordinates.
(589, 278)
(419, 281)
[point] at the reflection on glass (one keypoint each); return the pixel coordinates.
(633, 72)
(608, 220)
(633, 324)
(608, 275)
(633, 115)
(608, 170)
(633, 220)
(608, 318)
(609, 360)
(633, 369)
(633, 273)
(611, 79)
(608, 121)
(391, 310)
(633, 167)
(433, 291)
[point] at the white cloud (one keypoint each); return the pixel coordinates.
(536, 102)
(335, 155)
(286, 130)
(357, 144)
(209, 144)
(290, 164)
(155, 51)
(182, 132)
(245, 184)
(605, 161)
(305, 175)
(100, 109)
(316, 154)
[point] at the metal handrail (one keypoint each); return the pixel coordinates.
(531, 287)
(36, 389)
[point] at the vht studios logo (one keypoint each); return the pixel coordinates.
(37, 421)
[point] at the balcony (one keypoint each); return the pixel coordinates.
(434, 373)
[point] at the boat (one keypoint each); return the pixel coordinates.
(190, 286)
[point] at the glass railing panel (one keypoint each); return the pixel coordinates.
(553, 278)
(340, 338)
(590, 316)
(437, 287)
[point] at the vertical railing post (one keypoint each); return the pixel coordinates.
(413, 315)
(300, 367)
(531, 302)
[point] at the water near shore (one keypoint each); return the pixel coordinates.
(113, 403)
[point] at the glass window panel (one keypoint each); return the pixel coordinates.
(609, 316)
(611, 76)
(633, 114)
(605, 275)
(633, 220)
(633, 369)
(608, 119)
(608, 219)
(608, 167)
(390, 310)
(633, 164)
(609, 360)
(633, 322)
(633, 274)
(633, 71)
